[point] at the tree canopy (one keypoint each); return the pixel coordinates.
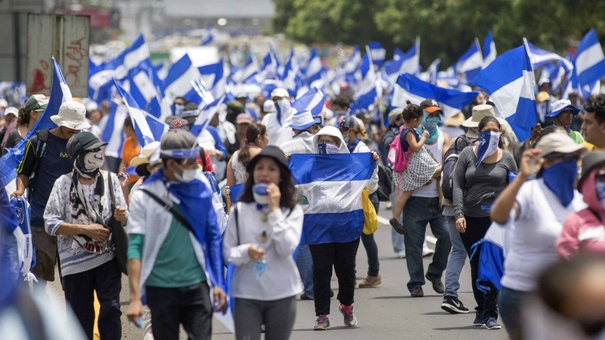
(447, 27)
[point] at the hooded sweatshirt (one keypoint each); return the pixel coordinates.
(584, 231)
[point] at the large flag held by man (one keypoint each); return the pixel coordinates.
(330, 187)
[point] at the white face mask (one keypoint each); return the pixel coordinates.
(93, 161)
(187, 175)
(328, 149)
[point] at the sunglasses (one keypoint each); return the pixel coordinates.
(555, 156)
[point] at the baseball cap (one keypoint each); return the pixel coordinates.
(557, 142)
(179, 144)
(280, 92)
(36, 102)
(430, 105)
(11, 110)
(348, 122)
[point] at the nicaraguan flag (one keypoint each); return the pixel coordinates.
(449, 77)
(113, 132)
(314, 101)
(214, 77)
(23, 235)
(178, 81)
(205, 116)
(489, 50)
(433, 71)
(208, 36)
(141, 88)
(59, 93)
(377, 52)
(491, 258)
(314, 70)
(540, 57)
(571, 83)
(554, 73)
(147, 127)
(289, 76)
(249, 70)
(470, 63)
(270, 65)
(488, 144)
(509, 80)
(330, 189)
(590, 62)
(351, 68)
(415, 90)
(408, 62)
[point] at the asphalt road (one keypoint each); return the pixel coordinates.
(384, 312)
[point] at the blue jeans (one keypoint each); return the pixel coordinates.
(419, 211)
(396, 238)
(456, 260)
(510, 305)
(304, 263)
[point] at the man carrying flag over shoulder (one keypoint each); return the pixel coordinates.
(175, 253)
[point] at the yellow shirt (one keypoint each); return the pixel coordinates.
(592, 147)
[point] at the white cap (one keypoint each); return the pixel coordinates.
(279, 92)
(11, 110)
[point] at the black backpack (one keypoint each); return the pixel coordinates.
(449, 165)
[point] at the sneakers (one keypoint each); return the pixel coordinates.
(305, 297)
(491, 323)
(479, 320)
(453, 306)
(400, 254)
(370, 281)
(322, 323)
(417, 292)
(397, 226)
(426, 251)
(349, 318)
(437, 284)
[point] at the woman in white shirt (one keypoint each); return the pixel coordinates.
(538, 208)
(264, 231)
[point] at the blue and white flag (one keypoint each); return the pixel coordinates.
(368, 76)
(433, 71)
(330, 189)
(141, 88)
(314, 71)
(23, 235)
(214, 77)
(290, 75)
(494, 248)
(487, 145)
(270, 69)
(408, 62)
(314, 101)
(59, 93)
(590, 62)
(415, 90)
(489, 50)
(113, 133)
(244, 73)
(351, 68)
(133, 59)
(147, 127)
(377, 52)
(208, 36)
(554, 73)
(540, 57)
(509, 80)
(178, 81)
(205, 116)
(470, 63)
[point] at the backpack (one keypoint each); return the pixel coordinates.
(449, 165)
(39, 140)
(397, 159)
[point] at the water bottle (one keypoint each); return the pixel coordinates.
(259, 268)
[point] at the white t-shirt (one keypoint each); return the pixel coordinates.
(534, 238)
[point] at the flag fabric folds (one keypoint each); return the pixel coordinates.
(313, 101)
(330, 189)
(509, 80)
(378, 53)
(205, 116)
(470, 63)
(208, 36)
(415, 90)
(540, 57)
(489, 50)
(590, 62)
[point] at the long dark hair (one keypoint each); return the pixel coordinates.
(289, 198)
(252, 132)
(23, 117)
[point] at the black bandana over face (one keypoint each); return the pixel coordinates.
(88, 163)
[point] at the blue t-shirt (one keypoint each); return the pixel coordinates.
(54, 163)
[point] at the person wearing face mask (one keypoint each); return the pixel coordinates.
(45, 159)
(482, 172)
(352, 133)
(78, 213)
(562, 114)
(538, 208)
(278, 118)
(264, 230)
(174, 240)
(584, 231)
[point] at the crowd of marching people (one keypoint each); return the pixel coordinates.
(259, 208)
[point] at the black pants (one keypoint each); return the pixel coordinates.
(342, 257)
(189, 306)
(476, 227)
(79, 292)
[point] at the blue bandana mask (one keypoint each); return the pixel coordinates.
(488, 145)
(560, 178)
(430, 124)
